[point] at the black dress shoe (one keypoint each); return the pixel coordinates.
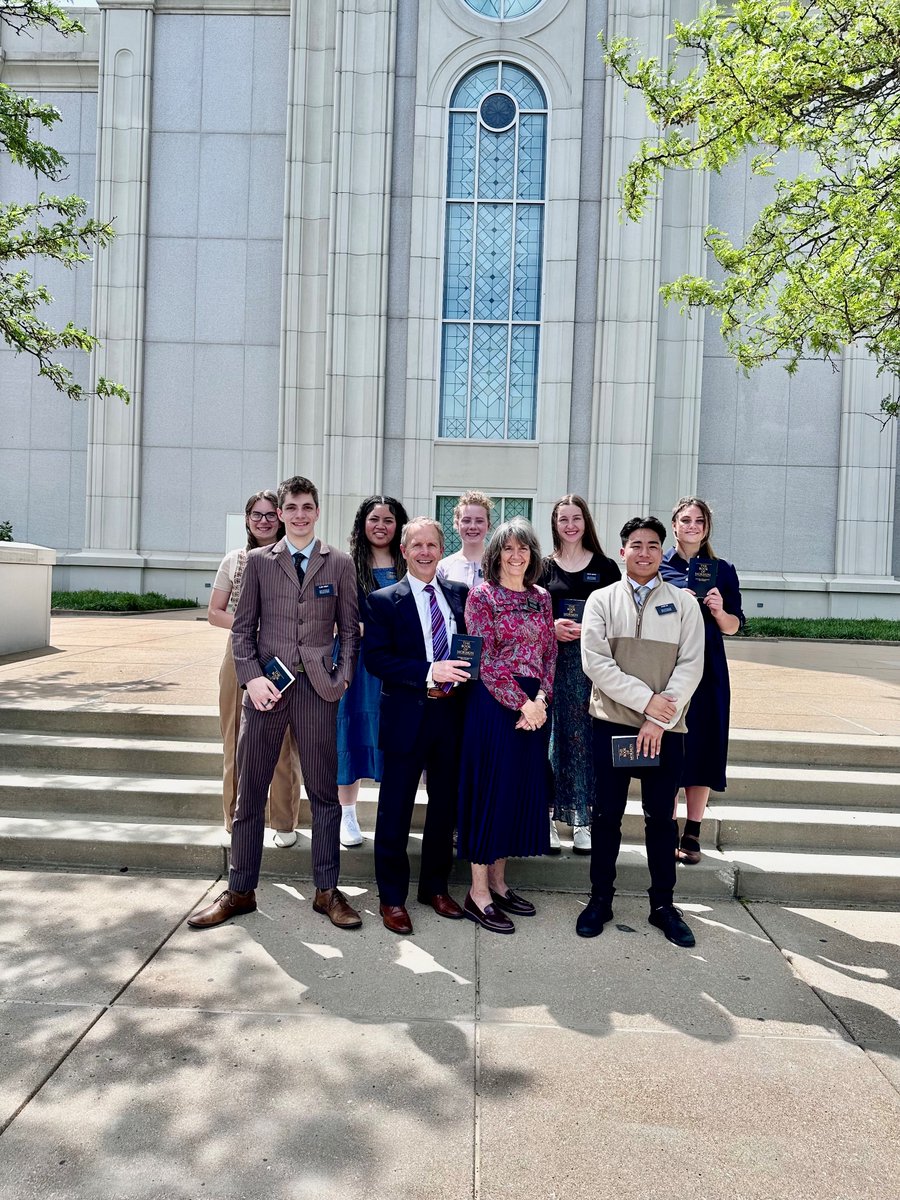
(668, 918)
(593, 917)
(490, 917)
(511, 903)
(223, 908)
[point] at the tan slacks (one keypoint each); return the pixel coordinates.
(283, 809)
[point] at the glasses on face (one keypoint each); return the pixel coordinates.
(261, 516)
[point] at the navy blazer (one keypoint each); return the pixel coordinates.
(394, 652)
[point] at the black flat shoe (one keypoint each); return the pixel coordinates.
(511, 903)
(668, 918)
(489, 918)
(593, 917)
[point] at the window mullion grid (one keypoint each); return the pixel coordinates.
(472, 271)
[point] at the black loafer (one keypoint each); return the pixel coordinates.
(511, 903)
(489, 918)
(668, 918)
(593, 917)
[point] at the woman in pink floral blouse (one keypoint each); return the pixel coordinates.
(504, 774)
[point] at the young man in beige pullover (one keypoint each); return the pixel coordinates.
(642, 649)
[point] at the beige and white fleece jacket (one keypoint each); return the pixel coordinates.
(630, 653)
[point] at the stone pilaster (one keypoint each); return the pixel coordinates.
(123, 141)
(335, 309)
(868, 471)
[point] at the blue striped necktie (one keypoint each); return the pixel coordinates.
(439, 647)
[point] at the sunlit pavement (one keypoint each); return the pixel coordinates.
(279, 1057)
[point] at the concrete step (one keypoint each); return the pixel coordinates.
(146, 797)
(764, 747)
(812, 787)
(80, 753)
(127, 720)
(195, 849)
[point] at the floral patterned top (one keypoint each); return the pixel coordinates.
(519, 639)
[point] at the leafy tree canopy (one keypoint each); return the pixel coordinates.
(53, 227)
(820, 268)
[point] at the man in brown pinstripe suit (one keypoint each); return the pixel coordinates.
(293, 595)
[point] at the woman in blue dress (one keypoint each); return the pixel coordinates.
(375, 550)
(706, 741)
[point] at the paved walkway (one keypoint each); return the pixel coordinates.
(282, 1059)
(174, 659)
(279, 1058)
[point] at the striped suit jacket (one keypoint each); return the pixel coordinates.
(276, 616)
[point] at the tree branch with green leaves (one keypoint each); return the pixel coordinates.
(819, 269)
(52, 227)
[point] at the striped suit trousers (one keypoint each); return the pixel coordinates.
(313, 722)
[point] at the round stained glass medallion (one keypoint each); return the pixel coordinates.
(498, 111)
(501, 10)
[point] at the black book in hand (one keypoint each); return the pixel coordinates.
(277, 672)
(701, 576)
(467, 648)
(625, 753)
(571, 610)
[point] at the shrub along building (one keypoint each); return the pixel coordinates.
(378, 243)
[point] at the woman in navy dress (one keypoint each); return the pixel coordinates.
(375, 550)
(504, 775)
(576, 568)
(706, 741)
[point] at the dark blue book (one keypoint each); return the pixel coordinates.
(702, 575)
(467, 647)
(625, 753)
(275, 671)
(570, 610)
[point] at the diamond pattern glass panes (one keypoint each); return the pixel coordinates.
(454, 381)
(532, 156)
(493, 254)
(461, 165)
(521, 85)
(473, 86)
(487, 416)
(492, 250)
(522, 382)
(496, 164)
(505, 508)
(502, 9)
(458, 251)
(527, 278)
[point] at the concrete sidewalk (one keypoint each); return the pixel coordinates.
(173, 659)
(279, 1058)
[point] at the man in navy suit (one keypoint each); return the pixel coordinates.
(408, 630)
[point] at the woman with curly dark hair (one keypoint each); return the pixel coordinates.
(375, 550)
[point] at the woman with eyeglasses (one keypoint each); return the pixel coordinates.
(706, 740)
(263, 529)
(375, 550)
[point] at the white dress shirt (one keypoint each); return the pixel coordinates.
(423, 605)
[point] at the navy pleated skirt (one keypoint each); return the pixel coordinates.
(504, 793)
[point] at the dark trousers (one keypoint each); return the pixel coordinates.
(435, 750)
(659, 786)
(313, 722)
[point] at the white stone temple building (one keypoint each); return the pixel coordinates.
(377, 242)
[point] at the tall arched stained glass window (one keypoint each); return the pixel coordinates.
(493, 254)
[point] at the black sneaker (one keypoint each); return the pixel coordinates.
(593, 917)
(668, 918)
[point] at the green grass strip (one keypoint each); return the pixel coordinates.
(93, 600)
(874, 629)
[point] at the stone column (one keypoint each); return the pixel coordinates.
(867, 475)
(123, 143)
(335, 311)
(628, 304)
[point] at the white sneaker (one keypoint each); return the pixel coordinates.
(285, 838)
(351, 834)
(582, 839)
(555, 844)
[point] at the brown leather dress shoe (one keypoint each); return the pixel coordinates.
(443, 904)
(395, 918)
(333, 904)
(223, 908)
